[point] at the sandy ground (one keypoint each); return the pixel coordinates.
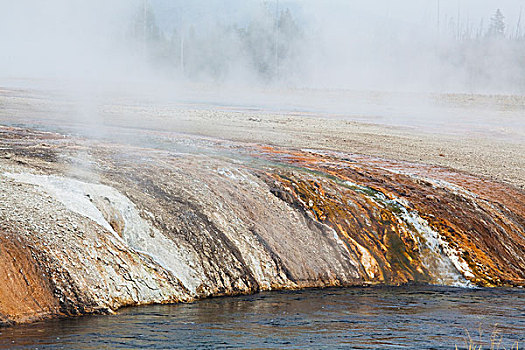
(483, 135)
(496, 159)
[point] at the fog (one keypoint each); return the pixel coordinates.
(383, 45)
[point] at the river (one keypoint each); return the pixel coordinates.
(416, 317)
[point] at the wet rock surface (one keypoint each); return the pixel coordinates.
(477, 223)
(87, 226)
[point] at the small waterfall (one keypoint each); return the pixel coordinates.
(443, 261)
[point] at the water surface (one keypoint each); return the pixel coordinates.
(355, 318)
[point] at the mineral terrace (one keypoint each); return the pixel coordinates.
(90, 226)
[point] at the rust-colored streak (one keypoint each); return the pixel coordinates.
(387, 252)
(25, 292)
(481, 219)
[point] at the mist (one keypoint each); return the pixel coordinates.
(434, 46)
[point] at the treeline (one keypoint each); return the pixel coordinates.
(496, 28)
(491, 56)
(265, 46)
(273, 45)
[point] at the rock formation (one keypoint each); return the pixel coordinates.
(88, 226)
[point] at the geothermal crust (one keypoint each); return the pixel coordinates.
(89, 227)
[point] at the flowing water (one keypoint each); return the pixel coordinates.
(355, 318)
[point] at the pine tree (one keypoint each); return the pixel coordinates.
(497, 25)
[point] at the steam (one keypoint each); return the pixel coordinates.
(442, 45)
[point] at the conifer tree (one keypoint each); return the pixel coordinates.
(497, 25)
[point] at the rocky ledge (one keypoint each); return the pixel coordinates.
(91, 226)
